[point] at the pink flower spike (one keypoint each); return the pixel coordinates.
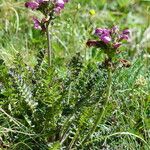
(32, 5)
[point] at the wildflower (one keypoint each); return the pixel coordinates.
(103, 34)
(100, 32)
(126, 31)
(105, 38)
(123, 37)
(92, 12)
(43, 6)
(32, 5)
(59, 5)
(112, 37)
(37, 24)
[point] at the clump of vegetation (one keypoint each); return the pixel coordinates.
(92, 94)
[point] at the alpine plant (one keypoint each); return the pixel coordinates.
(49, 8)
(110, 40)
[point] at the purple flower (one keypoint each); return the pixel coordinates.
(103, 34)
(37, 24)
(105, 38)
(40, 25)
(123, 37)
(60, 3)
(32, 5)
(48, 8)
(57, 10)
(126, 31)
(35, 4)
(100, 31)
(109, 38)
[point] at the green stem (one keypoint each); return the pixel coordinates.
(85, 54)
(74, 139)
(49, 50)
(65, 128)
(102, 110)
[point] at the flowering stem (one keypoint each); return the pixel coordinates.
(49, 50)
(102, 110)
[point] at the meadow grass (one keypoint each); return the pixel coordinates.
(44, 108)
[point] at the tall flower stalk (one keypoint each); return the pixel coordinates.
(102, 110)
(50, 9)
(110, 40)
(49, 46)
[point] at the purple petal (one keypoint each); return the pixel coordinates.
(100, 31)
(123, 37)
(105, 38)
(57, 10)
(60, 3)
(32, 5)
(37, 24)
(126, 31)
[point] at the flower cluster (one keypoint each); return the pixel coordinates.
(112, 37)
(48, 7)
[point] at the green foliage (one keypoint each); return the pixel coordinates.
(44, 108)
